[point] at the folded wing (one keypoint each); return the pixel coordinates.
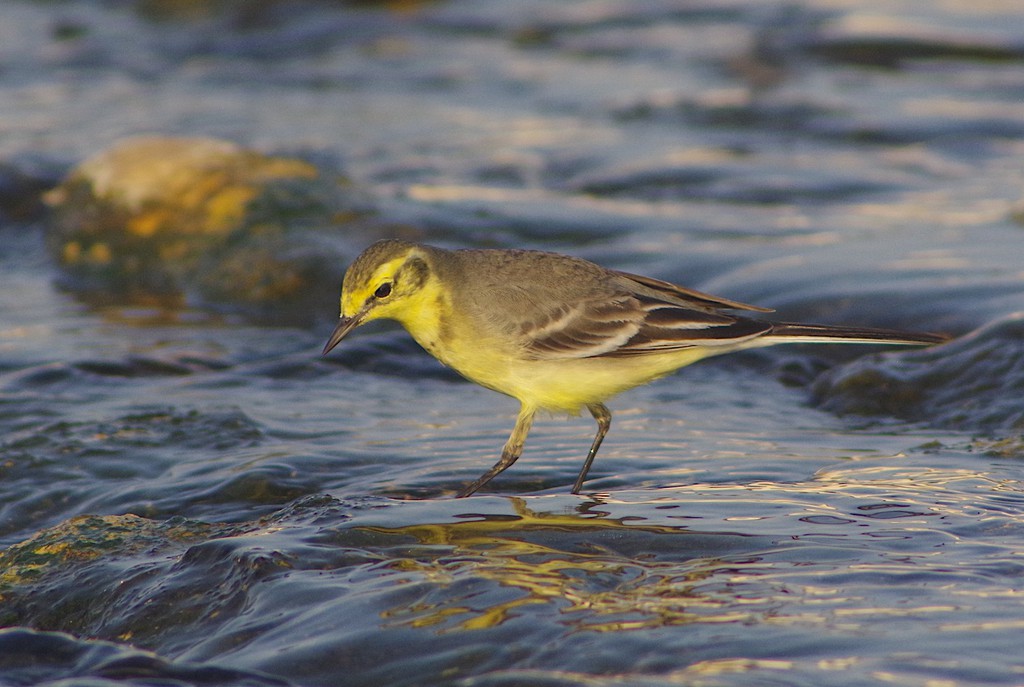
(639, 322)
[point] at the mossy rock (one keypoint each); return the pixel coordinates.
(170, 221)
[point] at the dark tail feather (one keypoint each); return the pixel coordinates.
(821, 333)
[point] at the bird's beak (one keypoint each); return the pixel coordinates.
(344, 326)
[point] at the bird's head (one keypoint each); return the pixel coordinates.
(389, 280)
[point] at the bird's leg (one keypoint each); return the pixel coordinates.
(604, 421)
(510, 454)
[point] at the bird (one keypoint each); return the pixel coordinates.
(558, 333)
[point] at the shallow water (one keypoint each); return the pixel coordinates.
(796, 516)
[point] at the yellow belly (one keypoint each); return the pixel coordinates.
(570, 385)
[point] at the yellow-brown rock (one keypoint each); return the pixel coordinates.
(200, 220)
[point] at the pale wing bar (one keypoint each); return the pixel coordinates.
(668, 327)
(637, 325)
(588, 330)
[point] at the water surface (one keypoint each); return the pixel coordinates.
(194, 496)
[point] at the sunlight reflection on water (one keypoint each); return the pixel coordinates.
(254, 514)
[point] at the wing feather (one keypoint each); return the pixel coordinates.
(585, 330)
(632, 324)
(683, 295)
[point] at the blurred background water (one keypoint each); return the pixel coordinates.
(189, 494)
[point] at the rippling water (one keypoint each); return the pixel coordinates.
(192, 497)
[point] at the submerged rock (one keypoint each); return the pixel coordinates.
(89, 537)
(975, 383)
(200, 220)
(83, 576)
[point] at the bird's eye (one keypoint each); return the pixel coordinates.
(383, 291)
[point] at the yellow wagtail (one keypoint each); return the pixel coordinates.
(555, 332)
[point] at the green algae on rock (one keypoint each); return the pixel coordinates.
(169, 221)
(89, 537)
(69, 577)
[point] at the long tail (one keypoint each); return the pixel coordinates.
(785, 332)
